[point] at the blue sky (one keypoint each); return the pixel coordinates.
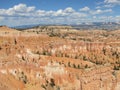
(25, 12)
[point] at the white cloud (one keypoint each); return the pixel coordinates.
(106, 18)
(59, 13)
(23, 8)
(22, 14)
(2, 11)
(85, 9)
(112, 1)
(107, 10)
(117, 18)
(78, 15)
(69, 10)
(99, 11)
(64, 12)
(108, 6)
(1, 18)
(17, 10)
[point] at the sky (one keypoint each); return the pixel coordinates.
(29, 12)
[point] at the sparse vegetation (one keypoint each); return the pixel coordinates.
(59, 58)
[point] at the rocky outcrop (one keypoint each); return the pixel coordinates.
(42, 62)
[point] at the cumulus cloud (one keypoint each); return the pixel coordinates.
(99, 11)
(23, 8)
(69, 10)
(112, 1)
(59, 13)
(108, 4)
(85, 9)
(17, 10)
(22, 14)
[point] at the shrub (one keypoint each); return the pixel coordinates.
(52, 82)
(86, 66)
(74, 66)
(69, 64)
(78, 66)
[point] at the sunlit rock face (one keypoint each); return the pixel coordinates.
(59, 58)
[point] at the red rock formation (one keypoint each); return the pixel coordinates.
(40, 61)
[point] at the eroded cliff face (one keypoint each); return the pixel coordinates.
(41, 62)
